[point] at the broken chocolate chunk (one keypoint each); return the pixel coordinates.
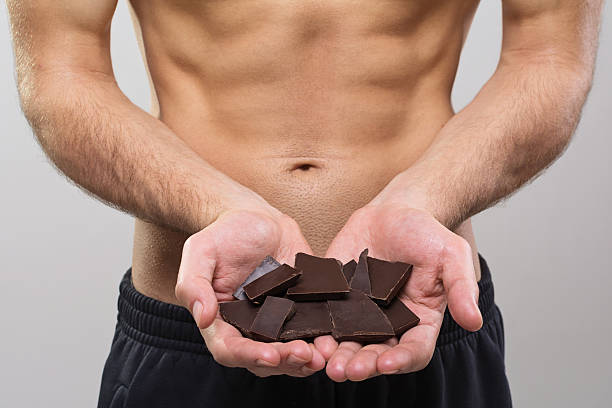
(272, 283)
(361, 278)
(349, 269)
(358, 318)
(386, 279)
(367, 311)
(322, 279)
(267, 265)
(271, 317)
(400, 316)
(311, 319)
(240, 314)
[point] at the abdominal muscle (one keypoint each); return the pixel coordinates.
(320, 190)
(318, 127)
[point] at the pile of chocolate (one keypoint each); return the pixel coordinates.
(356, 301)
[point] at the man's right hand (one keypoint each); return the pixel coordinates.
(215, 261)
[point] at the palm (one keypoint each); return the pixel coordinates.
(402, 234)
(241, 240)
(215, 262)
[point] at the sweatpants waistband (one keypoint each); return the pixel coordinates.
(164, 325)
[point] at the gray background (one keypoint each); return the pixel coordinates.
(62, 254)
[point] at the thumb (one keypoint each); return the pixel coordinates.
(459, 280)
(345, 246)
(193, 286)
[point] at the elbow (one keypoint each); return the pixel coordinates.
(48, 99)
(561, 89)
(32, 110)
(578, 79)
(575, 84)
(27, 101)
(566, 74)
(39, 114)
(51, 105)
(35, 92)
(552, 99)
(33, 86)
(50, 111)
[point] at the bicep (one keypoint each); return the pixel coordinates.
(565, 29)
(61, 36)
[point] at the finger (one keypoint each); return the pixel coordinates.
(459, 280)
(193, 286)
(300, 370)
(336, 366)
(326, 346)
(393, 341)
(294, 354)
(363, 364)
(317, 362)
(412, 353)
(230, 349)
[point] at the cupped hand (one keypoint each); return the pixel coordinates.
(215, 261)
(443, 273)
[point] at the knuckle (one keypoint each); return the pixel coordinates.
(464, 247)
(196, 242)
(262, 226)
(190, 244)
(459, 248)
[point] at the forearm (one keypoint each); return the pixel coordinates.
(123, 155)
(522, 119)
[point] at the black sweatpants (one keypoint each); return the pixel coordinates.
(158, 359)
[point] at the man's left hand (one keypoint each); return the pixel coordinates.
(443, 273)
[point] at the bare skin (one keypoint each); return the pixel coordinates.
(310, 74)
(285, 126)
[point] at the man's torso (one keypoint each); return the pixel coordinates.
(315, 105)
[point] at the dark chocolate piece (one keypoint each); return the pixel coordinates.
(267, 265)
(386, 279)
(311, 319)
(400, 316)
(361, 278)
(358, 318)
(322, 279)
(272, 283)
(240, 314)
(271, 317)
(349, 269)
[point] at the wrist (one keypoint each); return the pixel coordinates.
(231, 197)
(240, 198)
(407, 192)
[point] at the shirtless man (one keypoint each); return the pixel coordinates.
(281, 126)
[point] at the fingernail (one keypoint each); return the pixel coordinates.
(391, 372)
(197, 311)
(264, 363)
